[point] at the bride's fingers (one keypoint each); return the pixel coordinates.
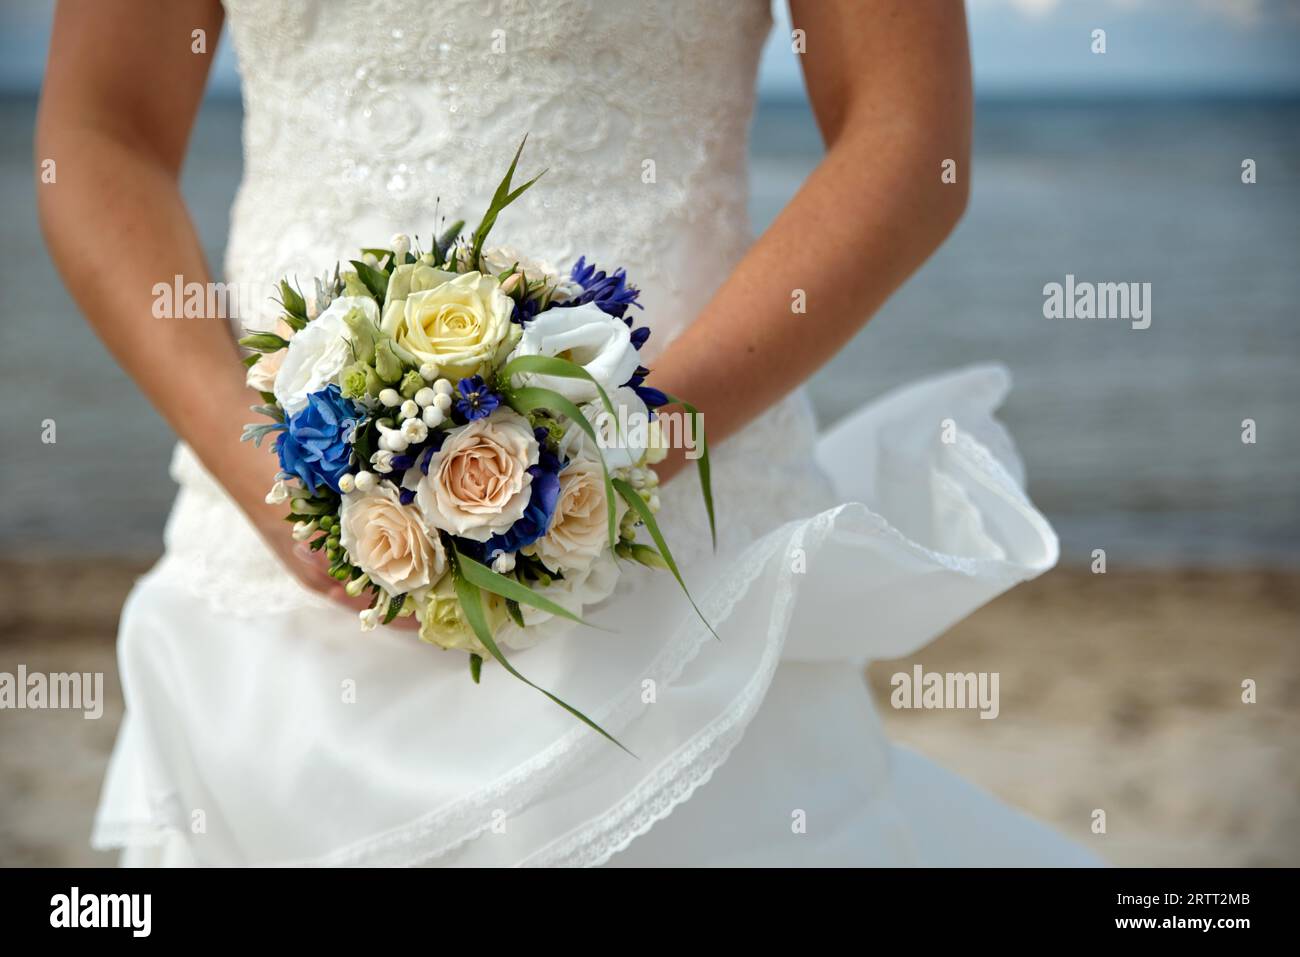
(315, 575)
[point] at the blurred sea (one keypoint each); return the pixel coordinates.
(1132, 439)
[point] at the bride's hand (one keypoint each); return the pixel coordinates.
(247, 477)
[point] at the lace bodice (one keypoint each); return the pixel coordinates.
(363, 120)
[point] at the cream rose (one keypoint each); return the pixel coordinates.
(459, 323)
(388, 542)
(478, 483)
(600, 343)
(579, 529)
(261, 375)
(443, 622)
(318, 353)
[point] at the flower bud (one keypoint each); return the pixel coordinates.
(401, 244)
(360, 381)
(411, 383)
(363, 334)
(347, 482)
(390, 398)
(264, 342)
(442, 401)
(442, 386)
(409, 409)
(365, 481)
(357, 585)
(424, 397)
(303, 531)
(504, 563)
(433, 416)
(387, 364)
(428, 371)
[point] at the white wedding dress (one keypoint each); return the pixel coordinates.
(263, 727)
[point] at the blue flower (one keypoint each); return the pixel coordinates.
(651, 396)
(611, 293)
(476, 400)
(536, 519)
(315, 445)
(525, 311)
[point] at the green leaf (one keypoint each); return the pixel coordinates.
(475, 667)
(638, 505)
(471, 604)
(379, 254)
(516, 614)
(294, 322)
(528, 398)
(702, 463)
(375, 281)
(264, 342)
(502, 198)
(394, 606)
(251, 360)
(560, 368)
(485, 578)
(442, 245)
(292, 300)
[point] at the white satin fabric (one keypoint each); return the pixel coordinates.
(263, 728)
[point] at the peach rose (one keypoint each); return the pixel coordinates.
(478, 483)
(579, 529)
(388, 542)
(261, 375)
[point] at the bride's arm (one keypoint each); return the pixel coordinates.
(889, 82)
(121, 91)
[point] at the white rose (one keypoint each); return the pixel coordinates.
(318, 353)
(576, 591)
(579, 530)
(600, 343)
(622, 439)
(388, 542)
(478, 483)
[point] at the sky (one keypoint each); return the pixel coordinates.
(1020, 47)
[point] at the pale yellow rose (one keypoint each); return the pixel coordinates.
(443, 622)
(579, 529)
(388, 541)
(478, 483)
(459, 323)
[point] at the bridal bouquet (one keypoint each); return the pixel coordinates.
(467, 435)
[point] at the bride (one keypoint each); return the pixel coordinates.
(261, 726)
